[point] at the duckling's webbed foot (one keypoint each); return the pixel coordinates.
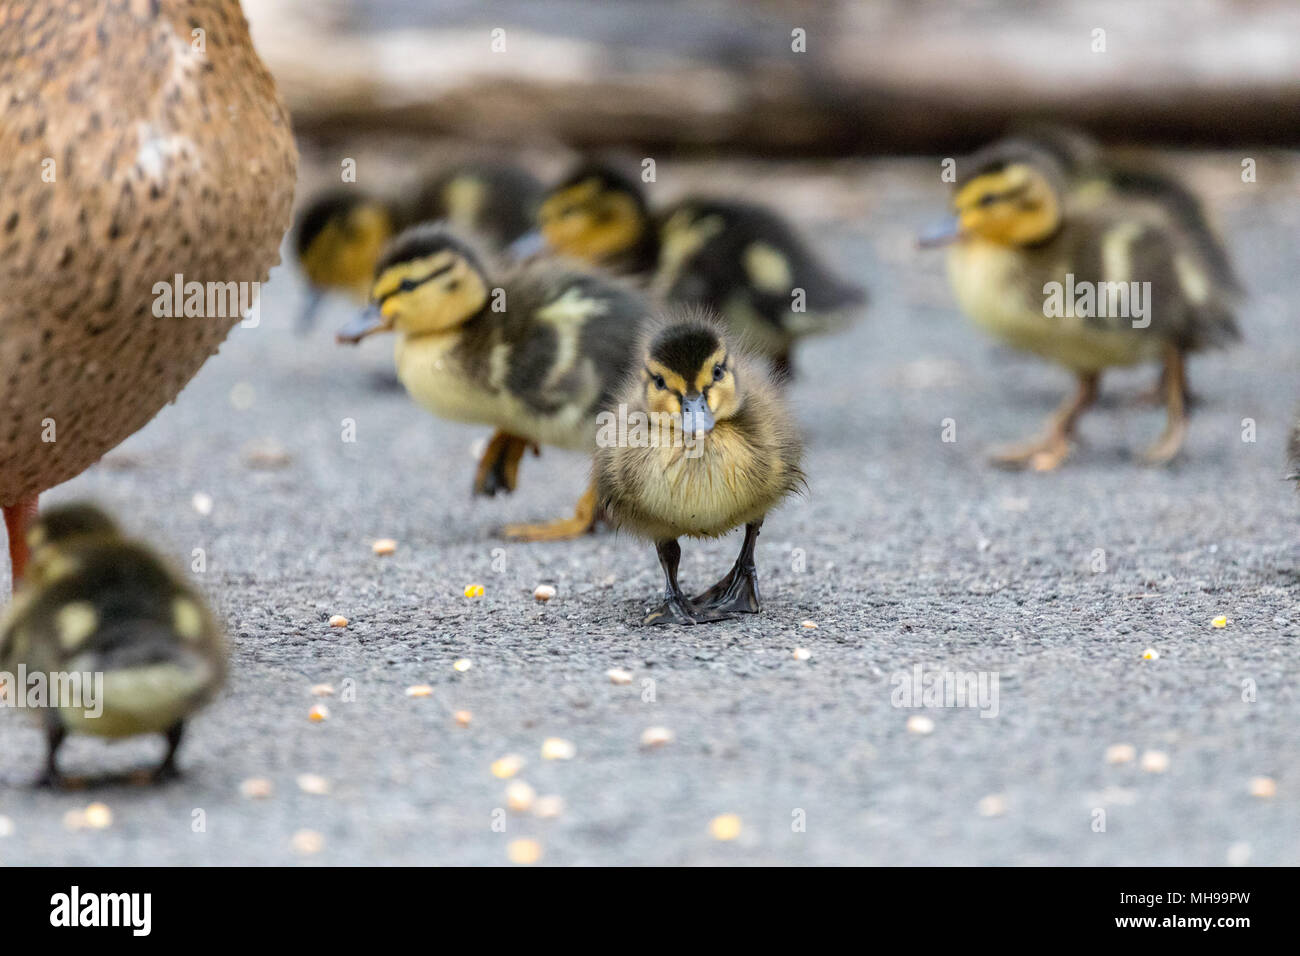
(1050, 451)
(498, 469)
(562, 529)
(675, 609)
(737, 593)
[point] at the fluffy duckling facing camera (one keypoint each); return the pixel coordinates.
(341, 233)
(737, 259)
(535, 352)
(1089, 279)
(729, 453)
(105, 613)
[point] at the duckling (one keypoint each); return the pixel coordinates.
(535, 351)
(98, 603)
(128, 154)
(1110, 281)
(735, 258)
(341, 233)
(734, 455)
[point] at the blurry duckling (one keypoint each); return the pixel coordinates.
(94, 602)
(738, 457)
(535, 352)
(1107, 281)
(341, 233)
(738, 259)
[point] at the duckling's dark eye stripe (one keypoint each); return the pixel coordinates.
(406, 285)
(1004, 197)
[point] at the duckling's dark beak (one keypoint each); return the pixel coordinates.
(526, 246)
(940, 233)
(367, 323)
(307, 318)
(697, 417)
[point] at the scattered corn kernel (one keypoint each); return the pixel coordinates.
(544, 592)
(725, 827)
(524, 852)
(307, 842)
(1151, 654)
(994, 805)
(1155, 761)
(314, 784)
(419, 690)
(255, 788)
(463, 717)
(474, 591)
(6, 827)
(322, 690)
(617, 675)
(656, 737)
(920, 724)
(384, 546)
(462, 665)
(1220, 621)
(338, 620)
(802, 653)
(318, 713)
(548, 807)
(520, 796)
(98, 816)
(202, 503)
(557, 748)
(507, 766)
(809, 625)
(1263, 787)
(1121, 753)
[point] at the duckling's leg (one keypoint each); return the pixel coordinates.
(168, 769)
(54, 734)
(1174, 380)
(562, 529)
(737, 593)
(1047, 453)
(498, 469)
(675, 609)
(18, 517)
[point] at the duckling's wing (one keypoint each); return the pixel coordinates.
(1186, 212)
(497, 201)
(714, 252)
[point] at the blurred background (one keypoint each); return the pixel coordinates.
(724, 75)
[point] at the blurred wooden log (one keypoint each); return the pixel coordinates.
(888, 76)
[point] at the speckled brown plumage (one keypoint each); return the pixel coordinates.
(165, 160)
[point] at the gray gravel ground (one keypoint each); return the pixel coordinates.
(906, 551)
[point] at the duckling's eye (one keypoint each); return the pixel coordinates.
(718, 372)
(660, 383)
(988, 199)
(407, 285)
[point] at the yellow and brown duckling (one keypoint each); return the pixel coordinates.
(1090, 279)
(340, 234)
(738, 259)
(738, 456)
(96, 603)
(535, 351)
(128, 155)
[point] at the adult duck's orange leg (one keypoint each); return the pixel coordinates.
(582, 522)
(1047, 453)
(18, 517)
(498, 469)
(1174, 381)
